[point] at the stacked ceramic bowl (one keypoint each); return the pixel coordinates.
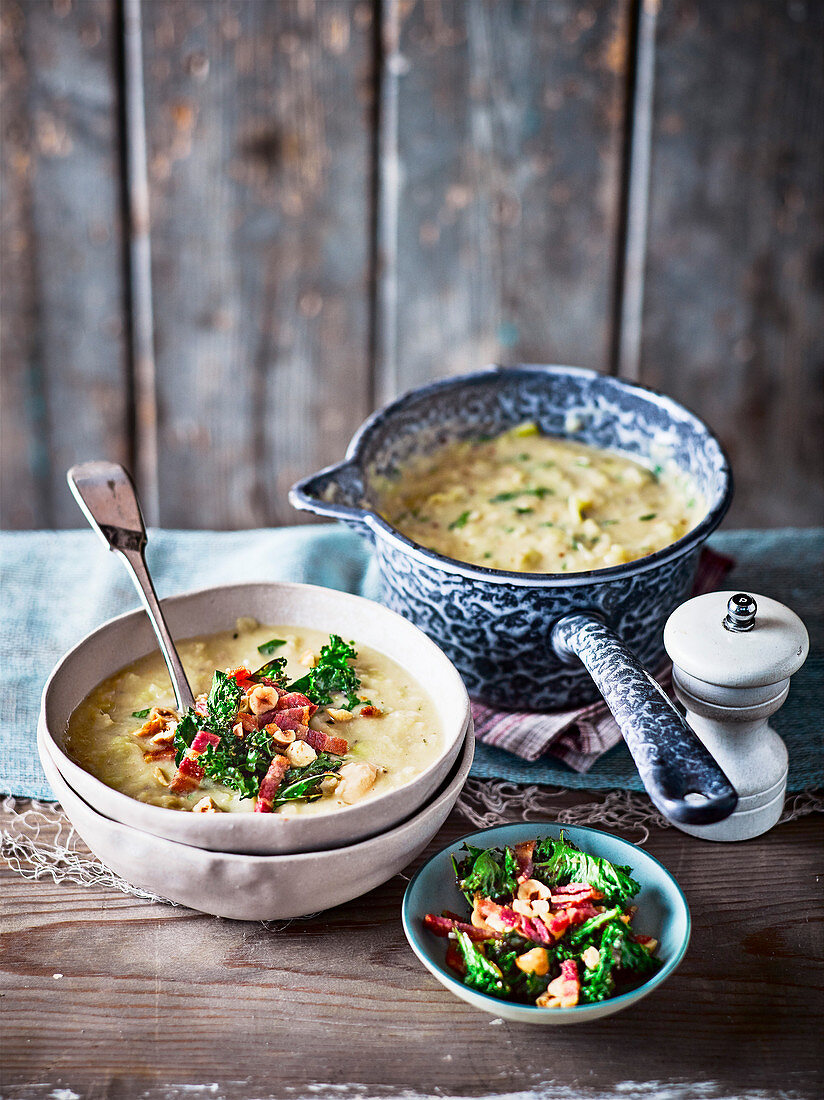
(258, 866)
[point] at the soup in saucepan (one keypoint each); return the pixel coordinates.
(527, 502)
(288, 720)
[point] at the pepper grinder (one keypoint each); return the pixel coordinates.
(732, 658)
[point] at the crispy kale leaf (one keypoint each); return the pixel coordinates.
(268, 648)
(487, 871)
(332, 673)
(185, 733)
(239, 763)
(635, 959)
(274, 670)
(599, 983)
(623, 965)
(481, 974)
(583, 931)
(304, 783)
(558, 862)
(223, 703)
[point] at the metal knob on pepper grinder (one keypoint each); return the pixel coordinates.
(732, 658)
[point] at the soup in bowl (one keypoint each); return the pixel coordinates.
(282, 757)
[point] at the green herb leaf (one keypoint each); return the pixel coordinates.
(304, 783)
(481, 974)
(598, 983)
(142, 713)
(558, 862)
(460, 521)
(487, 871)
(331, 674)
(239, 763)
(185, 733)
(539, 492)
(588, 927)
(648, 516)
(223, 703)
(268, 648)
(274, 670)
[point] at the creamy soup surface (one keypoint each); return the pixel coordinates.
(527, 502)
(400, 742)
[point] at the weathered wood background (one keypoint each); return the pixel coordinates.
(230, 228)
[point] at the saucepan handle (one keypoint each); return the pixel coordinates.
(336, 491)
(681, 777)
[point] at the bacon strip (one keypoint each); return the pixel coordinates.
(295, 699)
(249, 722)
(241, 676)
(322, 742)
(287, 719)
(270, 783)
(581, 913)
(454, 958)
(442, 926)
(523, 855)
(189, 773)
(575, 893)
(151, 756)
(488, 915)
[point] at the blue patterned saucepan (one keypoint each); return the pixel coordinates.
(535, 638)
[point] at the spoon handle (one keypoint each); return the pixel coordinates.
(107, 497)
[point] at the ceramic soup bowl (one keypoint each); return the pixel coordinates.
(535, 640)
(122, 640)
(257, 887)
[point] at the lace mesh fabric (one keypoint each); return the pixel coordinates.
(39, 841)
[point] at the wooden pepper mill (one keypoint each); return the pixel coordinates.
(733, 655)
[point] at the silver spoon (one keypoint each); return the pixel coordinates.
(107, 496)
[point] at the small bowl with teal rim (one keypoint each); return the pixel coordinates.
(662, 913)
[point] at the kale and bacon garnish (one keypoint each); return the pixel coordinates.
(239, 757)
(550, 925)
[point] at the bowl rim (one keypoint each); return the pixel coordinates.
(428, 557)
(579, 1010)
(453, 783)
(227, 822)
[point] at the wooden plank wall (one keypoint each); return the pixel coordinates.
(336, 200)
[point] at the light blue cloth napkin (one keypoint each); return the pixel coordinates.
(57, 586)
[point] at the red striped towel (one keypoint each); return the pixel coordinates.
(579, 737)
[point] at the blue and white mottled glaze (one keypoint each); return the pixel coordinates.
(680, 775)
(495, 625)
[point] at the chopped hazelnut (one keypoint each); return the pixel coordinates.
(205, 806)
(339, 715)
(262, 698)
(300, 754)
(280, 737)
(535, 961)
(591, 957)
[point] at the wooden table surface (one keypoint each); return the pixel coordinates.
(107, 996)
